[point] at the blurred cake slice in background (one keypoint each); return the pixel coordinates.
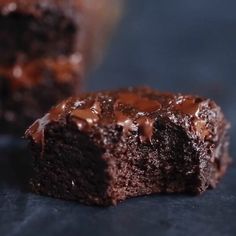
(46, 48)
(27, 89)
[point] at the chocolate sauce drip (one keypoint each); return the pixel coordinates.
(142, 104)
(84, 118)
(134, 110)
(145, 125)
(192, 107)
(187, 105)
(36, 130)
(139, 121)
(126, 122)
(96, 107)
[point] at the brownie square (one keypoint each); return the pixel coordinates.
(102, 148)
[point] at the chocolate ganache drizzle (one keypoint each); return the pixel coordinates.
(134, 109)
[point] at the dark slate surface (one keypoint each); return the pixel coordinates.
(183, 45)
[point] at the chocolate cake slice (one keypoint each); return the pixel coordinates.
(28, 90)
(46, 47)
(50, 28)
(101, 148)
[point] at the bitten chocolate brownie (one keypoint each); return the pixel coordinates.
(102, 148)
(50, 28)
(28, 90)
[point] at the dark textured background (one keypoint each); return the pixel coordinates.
(185, 46)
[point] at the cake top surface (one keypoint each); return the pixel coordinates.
(134, 109)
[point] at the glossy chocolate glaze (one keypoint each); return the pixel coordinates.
(133, 109)
(55, 114)
(28, 75)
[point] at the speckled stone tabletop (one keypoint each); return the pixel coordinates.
(186, 46)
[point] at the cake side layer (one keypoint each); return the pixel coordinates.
(73, 167)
